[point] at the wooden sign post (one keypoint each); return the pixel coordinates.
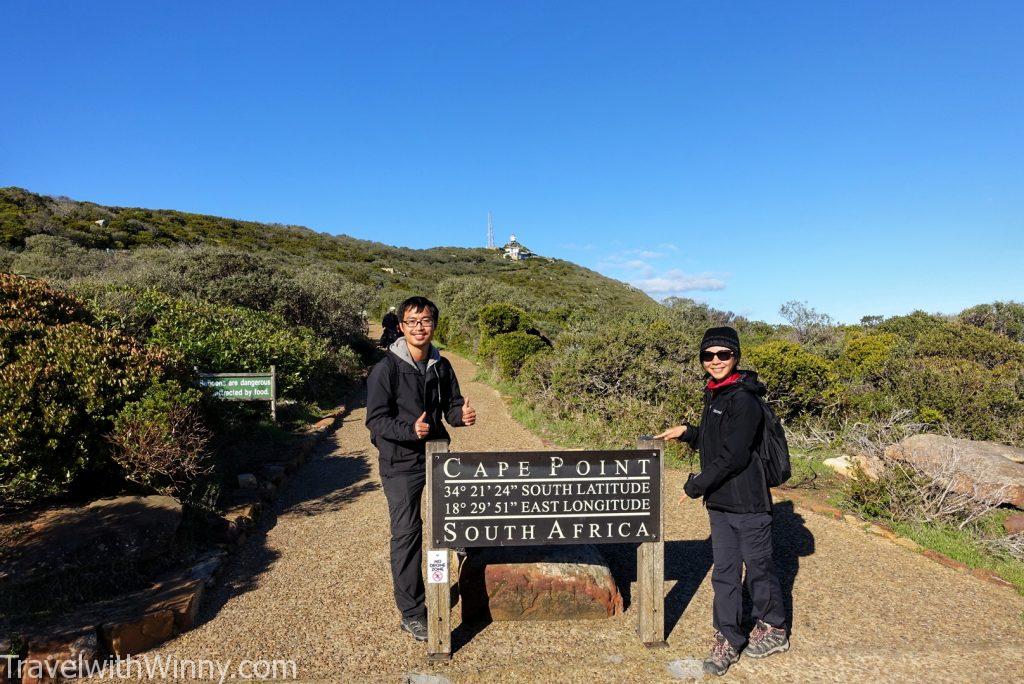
(537, 498)
(439, 611)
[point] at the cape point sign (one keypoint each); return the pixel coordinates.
(530, 498)
(535, 498)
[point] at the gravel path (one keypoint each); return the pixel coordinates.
(315, 587)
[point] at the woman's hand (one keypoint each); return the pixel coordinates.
(672, 433)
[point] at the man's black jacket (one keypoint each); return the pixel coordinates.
(397, 393)
(731, 476)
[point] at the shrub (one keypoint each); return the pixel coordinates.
(798, 381)
(934, 336)
(61, 381)
(160, 440)
(497, 319)
(511, 350)
(218, 338)
(1002, 318)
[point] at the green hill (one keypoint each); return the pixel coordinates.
(390, 272)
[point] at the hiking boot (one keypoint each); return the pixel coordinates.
(415, 627)
(721, 657)
(766, 640)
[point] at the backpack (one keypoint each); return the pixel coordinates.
(773, 449)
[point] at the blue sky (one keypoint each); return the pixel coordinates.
(865, 157)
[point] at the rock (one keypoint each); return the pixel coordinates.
(57, 658)
(133, 636)
(128, 529)
(847, 466)
(979, 469)
(150, 617)
(686, 669)
(1014, 524)
(273, 473)
(538, 583)
(248, 481)
(206, 566)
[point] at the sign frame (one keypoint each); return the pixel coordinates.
(648, 596)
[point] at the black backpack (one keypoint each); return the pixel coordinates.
(773, 449)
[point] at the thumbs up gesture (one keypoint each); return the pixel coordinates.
(468, 413)
(422, 427)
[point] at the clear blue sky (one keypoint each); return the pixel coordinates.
(867, 157)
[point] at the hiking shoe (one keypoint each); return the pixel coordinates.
(721, 657)
(415, 627)
(766, 640)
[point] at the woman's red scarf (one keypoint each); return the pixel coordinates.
(734, 378)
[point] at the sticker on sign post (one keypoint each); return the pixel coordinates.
(437, 566)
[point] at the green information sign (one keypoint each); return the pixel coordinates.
(244, 386)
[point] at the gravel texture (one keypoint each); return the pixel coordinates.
(314, 586)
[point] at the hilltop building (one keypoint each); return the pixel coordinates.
(516, 251)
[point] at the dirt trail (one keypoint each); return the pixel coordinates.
(315, 587)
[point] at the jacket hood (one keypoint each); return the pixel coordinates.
(400, 348)
(748, 379)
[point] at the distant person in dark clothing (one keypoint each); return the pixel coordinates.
(408, 394)
(391, 332)
(733, 484)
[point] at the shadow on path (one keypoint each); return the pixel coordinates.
(325, 483)
(688, 562)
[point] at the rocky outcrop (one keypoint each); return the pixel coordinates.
(538, 583)
(980, 469)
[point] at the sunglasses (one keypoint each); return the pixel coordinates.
(723, 355)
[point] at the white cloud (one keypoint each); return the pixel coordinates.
(675, 281)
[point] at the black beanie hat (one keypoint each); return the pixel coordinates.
(721, 337)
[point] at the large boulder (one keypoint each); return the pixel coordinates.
(848, 465)
(538, 583)
(106, 532)
(980, 469)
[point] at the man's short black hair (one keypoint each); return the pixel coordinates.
(418, 304)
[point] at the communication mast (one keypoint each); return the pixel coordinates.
(490, 231)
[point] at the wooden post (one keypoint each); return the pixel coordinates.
(439, 611)
(650, 566)
(273, 393)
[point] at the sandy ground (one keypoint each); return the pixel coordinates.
(314, 587)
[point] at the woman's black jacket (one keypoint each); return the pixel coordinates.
(731, 476)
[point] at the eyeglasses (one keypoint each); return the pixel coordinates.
(425, 322)
(723, 355)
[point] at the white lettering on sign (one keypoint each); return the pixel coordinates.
(437, 566)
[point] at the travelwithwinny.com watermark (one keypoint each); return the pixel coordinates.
(145, 667)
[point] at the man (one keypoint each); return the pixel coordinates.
(733, 484)
(407, 394)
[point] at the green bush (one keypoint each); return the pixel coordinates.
(971, 399)
(497, 319)
(799, 382)
(1002, 318)
(511, 350)
(935, 336)
(62, 380)
(218, 338)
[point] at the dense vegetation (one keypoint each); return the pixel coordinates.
(388, 274)
(117, 311)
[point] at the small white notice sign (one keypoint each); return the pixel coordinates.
(437, 566)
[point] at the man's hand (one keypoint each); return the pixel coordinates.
(468, 413)
(672, 433)
(422, 427)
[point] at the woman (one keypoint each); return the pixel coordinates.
(732, 482)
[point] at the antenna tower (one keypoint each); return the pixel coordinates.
(490, 231)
